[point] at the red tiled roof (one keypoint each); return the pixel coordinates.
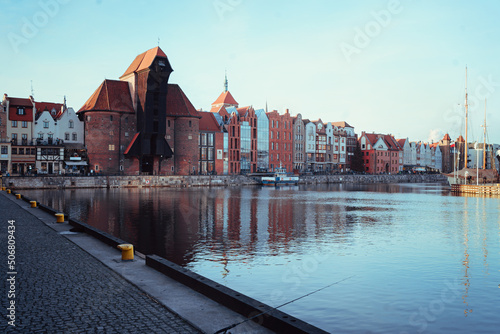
(208, 122)
(112, 95)
(144, 60)
(226, 98)
(19, 102)
(178, 104)
(342, 124)
(243, 110)
(461, 139)
(218, 109)
(48, 106)
(401, 142)
(446, 137)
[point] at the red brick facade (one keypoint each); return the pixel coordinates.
(280, 140)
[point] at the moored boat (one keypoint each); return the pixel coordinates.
(280, 177)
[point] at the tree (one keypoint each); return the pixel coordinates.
(357, 159)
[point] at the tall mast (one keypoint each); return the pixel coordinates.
(484, 144)
(466, 116)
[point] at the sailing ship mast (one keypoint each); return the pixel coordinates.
(484, 144)
(466, 118)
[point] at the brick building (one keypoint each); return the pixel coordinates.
(280, 140)
(381, 153)
(130, 122)
(211, 145)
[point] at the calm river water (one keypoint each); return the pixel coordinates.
(405, 258)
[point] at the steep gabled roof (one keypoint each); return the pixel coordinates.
(243, 111)
(144, 60)
(178, 104)
(225, 98)
(446, 137)
(460, 139)
(49, 106)
(112, 95)
(208, 122)
(342, 124)
(402, 142)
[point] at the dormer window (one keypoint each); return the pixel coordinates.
(21, 111)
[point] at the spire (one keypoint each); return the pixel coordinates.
(225, 82)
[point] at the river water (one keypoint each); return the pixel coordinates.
(401, 258)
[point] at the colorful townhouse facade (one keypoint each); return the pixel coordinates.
(37, 137)
(382, 153)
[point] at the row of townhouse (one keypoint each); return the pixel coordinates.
(142, 124)
(39, 137)
(260, 141)
(422, 154)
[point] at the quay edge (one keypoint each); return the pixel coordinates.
(143, 181)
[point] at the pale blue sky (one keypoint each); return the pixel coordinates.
(385, 66)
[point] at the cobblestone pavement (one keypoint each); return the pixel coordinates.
(59, 288)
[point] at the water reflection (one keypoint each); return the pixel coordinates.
(404, 244)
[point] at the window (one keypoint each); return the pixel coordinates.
(189, 123)
(5, 149)
(24, 124)
(71, 124)
(210, 137)
(14, 150)
(66, 136)
(24, 138)
(14, 124)
(111, 118)
(45, 124)
(21, 150)
(203, 139)
(32, 152)
(168, 123)
(111, 147)
(74, 137)
(21, 111)
(40, 136)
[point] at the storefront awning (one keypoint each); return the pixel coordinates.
(76, 163)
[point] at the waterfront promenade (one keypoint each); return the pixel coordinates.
(58, 287)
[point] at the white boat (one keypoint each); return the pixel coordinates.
(280, 177)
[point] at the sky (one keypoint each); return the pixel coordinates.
(396, 66)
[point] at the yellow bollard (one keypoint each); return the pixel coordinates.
(60, 217)
(127, 252)
(18, 196)
(3, 188)
(8, 191)
(33, 204)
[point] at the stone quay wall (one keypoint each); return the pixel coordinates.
(68, 182)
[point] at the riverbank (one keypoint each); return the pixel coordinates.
(79, 283)
(75, 182)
